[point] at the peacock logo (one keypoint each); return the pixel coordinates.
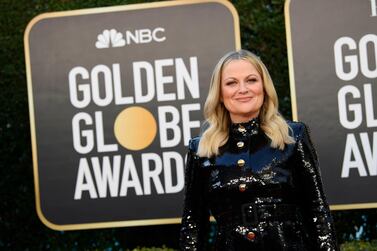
(110, 38)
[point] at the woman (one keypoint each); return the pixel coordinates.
(255, 172)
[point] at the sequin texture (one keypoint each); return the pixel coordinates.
(274, 201)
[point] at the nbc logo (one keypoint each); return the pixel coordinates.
(110, 37)
(113, 38)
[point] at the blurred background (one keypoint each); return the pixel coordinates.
(262, 31)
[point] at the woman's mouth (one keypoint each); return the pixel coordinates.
(244, 99)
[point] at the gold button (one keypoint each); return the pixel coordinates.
(242, 187)
(241, 128)
(240, 144)
(240, 162)
(250, 235)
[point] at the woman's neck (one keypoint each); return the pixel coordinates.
(242, 119)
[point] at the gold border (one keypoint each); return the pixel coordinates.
(40, 17)
(353, 206)
(290, 59)
(292, 84)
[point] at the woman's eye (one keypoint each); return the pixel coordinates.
(252, 80)
(230, 83)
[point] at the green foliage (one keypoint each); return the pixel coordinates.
(351, 221)
(359, 246)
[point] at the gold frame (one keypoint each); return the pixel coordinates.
(36, 19)
(292, 84)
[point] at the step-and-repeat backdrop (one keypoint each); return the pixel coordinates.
(115, 94)
(332, 47)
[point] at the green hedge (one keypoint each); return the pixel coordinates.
(359, 246)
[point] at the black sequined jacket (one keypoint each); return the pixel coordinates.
(262, 198)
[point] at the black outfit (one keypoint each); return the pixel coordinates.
(262, 198)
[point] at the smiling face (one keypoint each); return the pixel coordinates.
(241, 90)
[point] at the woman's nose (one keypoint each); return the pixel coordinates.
(242, 87)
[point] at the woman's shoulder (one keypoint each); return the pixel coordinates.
(194, 144)
(298, 128)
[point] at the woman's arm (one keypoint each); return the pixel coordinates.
(195, 219)
(316, 212)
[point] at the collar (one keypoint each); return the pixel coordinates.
(246, 128)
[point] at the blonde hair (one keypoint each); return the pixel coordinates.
(217, 116)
